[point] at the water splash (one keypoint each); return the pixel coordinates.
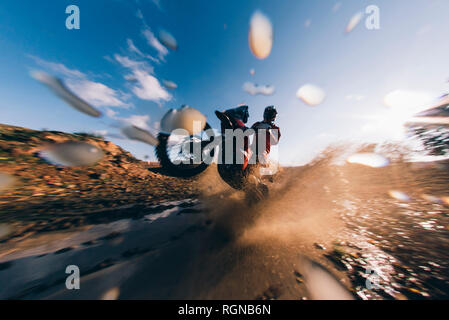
(372, 160)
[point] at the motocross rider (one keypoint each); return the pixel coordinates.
(273, 134)
(242, 176)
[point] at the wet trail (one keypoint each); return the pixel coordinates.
(364, 243)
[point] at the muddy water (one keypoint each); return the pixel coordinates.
(405, 240)
(36, 268)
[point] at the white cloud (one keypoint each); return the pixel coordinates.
(111, 113)
(355, 97)
(140, 121)
(336, 7)
(96, 93)
(155, 43)
(133, 49)
(58, 68)
(132, 64)
(149, 88)
(152, 40)
(424, 30)
(145, 85)
(254, 89)
(139, 14)
(157, 3)
(102, 133)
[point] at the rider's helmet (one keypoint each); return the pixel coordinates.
(270, 113)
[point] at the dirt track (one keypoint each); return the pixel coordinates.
(217, 248)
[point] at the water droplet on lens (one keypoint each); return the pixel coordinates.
(399, 195)
(431, 198)
(168, 40)
(6, 181)
(260, 35)
(169, 84)
(445, 200)
(131, 78)
(311, 94)
(135, 133)
(5, 230)
(167, 120)
(72, 154)
(353, 22)
(57, 86)
(111, 294)
(321, 284)
(186, 118)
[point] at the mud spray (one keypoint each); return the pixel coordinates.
(348, 218)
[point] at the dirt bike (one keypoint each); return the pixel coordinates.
(177, 157)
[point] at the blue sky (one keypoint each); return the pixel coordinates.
(407, 56)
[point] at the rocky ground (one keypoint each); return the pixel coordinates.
(46, 197)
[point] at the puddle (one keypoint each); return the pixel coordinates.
(92, 249)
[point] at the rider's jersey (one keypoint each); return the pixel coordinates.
(238, 124)
(273, 134)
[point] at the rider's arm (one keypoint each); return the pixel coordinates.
(275, 135)
(240, 125)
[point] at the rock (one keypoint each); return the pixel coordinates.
(94, 176)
